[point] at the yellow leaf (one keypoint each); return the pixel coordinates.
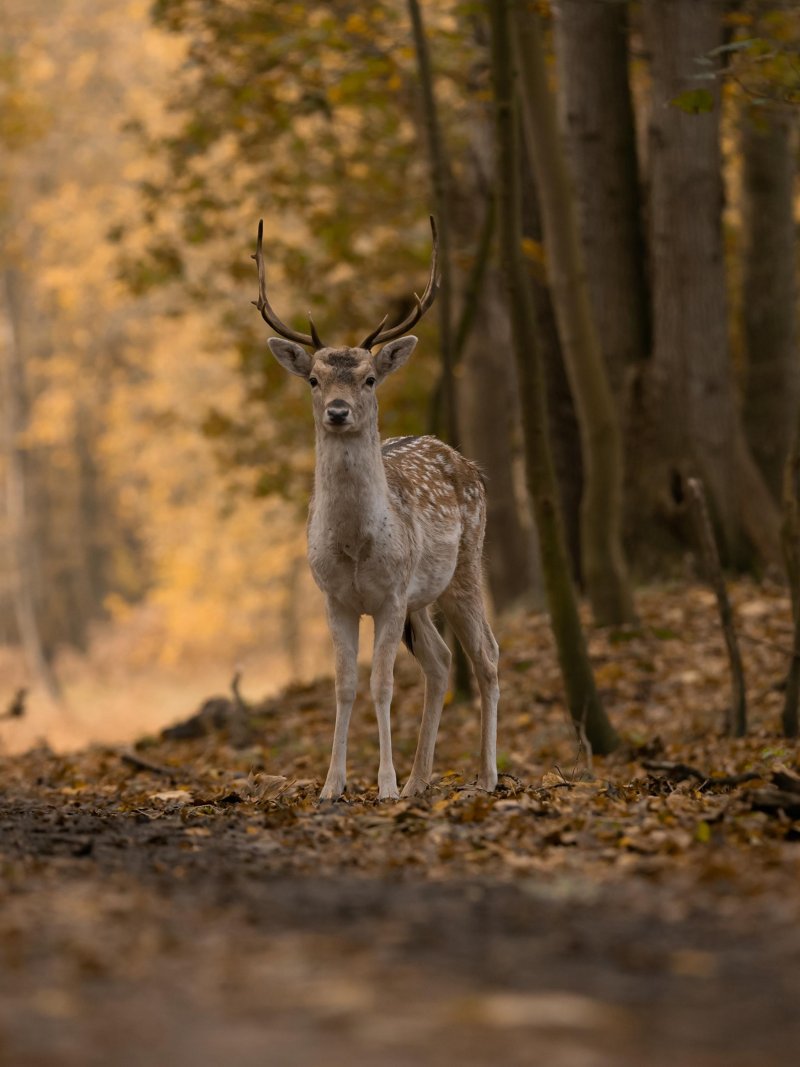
(533, 250)
(702, 832)
(357, 24)
(552, 778)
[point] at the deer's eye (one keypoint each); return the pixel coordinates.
(369, 381)
(312, 381)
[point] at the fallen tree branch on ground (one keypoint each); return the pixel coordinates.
(682, 771)
(141, 764)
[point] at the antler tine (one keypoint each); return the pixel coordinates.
(311, 340)
(314, 335)
(381, 336)
(369, 340)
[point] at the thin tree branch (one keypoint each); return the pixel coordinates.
(141, 764)
(736, 715)
(440, 181)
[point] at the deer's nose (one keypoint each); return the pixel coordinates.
(337, 412)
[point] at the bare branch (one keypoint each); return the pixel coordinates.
(140, 764)
(680, 771)
(16, 709)
(736, 717)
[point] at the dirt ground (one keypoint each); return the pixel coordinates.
(190, 903)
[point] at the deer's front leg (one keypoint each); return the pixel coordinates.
(343, 623)
(389, 623)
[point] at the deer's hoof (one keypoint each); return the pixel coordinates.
(387, 787)
(487, 781)
(332, 791)
(414, 787)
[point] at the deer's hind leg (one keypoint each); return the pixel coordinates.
(433, 656)
(464, 608)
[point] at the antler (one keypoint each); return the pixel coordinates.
(311, 340)
(381, 336)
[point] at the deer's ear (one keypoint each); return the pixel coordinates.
(291, 356)
(394, 355)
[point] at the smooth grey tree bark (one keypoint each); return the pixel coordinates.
(597, 122)
(691, 400)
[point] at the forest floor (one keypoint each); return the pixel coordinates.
(188, 902)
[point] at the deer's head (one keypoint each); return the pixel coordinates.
(343, 380)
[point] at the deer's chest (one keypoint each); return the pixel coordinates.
(360, 570)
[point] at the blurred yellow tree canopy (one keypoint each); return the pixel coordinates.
(127, 500)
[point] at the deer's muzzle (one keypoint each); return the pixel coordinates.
(337, 413)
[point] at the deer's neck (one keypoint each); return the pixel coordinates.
(350, 489)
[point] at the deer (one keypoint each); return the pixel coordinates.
(394, 529)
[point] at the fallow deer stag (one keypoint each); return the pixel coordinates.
(392, 529)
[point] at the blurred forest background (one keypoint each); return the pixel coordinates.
(155, 461)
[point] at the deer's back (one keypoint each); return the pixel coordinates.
(439, 490)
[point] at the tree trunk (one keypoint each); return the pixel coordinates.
(790, 536)
(488, 393)
(604, 567)
(565, 439)
(20, 548)
(489, 418)
(596, 113)
(582, 697)
(769, 294)
(691, 398)
(92, 522)
(597, 123)
(440, 181)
